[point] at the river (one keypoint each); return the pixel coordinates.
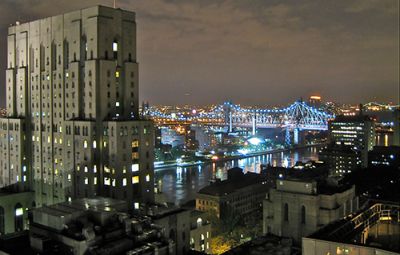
(180, 184)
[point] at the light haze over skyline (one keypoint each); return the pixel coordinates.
(250, 52)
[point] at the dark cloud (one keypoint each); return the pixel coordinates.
(261, 52)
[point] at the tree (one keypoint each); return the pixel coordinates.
(221, 244)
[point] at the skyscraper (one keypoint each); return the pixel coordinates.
(73, 127)
(357, 131)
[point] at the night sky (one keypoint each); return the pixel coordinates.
(251, 52)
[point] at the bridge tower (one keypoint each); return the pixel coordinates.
(288, 139)
(253, 120)
(296, 136)
(228, 115)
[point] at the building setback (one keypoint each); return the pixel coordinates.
(73, 128)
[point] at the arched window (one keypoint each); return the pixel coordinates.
(172, 235)
(286, 212)
(2, 227)
(19, 217)
(303, 214)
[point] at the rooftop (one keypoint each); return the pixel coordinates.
(352, 118)
(235, 182)
(376, 214)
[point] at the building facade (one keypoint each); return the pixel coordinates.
(240, 194)
(200, 232)
(340, 159)
(357, 131)
(297, 208)
(73, 128)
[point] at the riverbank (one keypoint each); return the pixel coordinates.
(159, 167)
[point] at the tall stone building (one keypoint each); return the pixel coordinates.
(72, 128)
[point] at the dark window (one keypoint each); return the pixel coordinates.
(286, 212)
(2, 227)
(303, 214)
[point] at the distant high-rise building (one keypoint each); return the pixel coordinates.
(72, 128)
(340, 159)
(315, 101)
(357, 131)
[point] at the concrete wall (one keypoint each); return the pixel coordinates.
(8, 202)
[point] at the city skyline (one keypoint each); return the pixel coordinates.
(203, 52)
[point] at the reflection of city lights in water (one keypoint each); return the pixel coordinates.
(179, 173)
(285, 162)
(386, 140)
(179, 187)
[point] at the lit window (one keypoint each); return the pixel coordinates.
(19, 212)
(86, 180)
(86, 169)
(136, 205)
(135, 179)
(135, 167)
(104, 144)
(94, 144)
(85, 144)
(124, 182)
(69, 177)
(117, 104)
(95, 169)
(115, 46)
(113, 182)
(107, 181)
(147, 178)
(61, 141)
(95, 180)
(24, 178)
(117, 74)
(24, 169)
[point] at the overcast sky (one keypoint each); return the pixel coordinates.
(251, 52)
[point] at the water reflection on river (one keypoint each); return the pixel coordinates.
(180, 184)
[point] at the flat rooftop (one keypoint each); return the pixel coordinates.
(220, 188)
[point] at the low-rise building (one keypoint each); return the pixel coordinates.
(200, 232)
(384, 156)
(14, 207)
(240, 194)
(374, 230)
(175, 221)
(297, 208)
(96, 226)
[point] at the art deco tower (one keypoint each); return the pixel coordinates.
(72, 127)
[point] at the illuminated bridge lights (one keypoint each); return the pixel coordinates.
(298, 115)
